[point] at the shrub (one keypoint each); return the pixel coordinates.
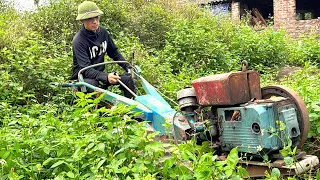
(265, 49)
(36, 66)
(60, 141)
(55, 21)
(10, 32)
(303, 50)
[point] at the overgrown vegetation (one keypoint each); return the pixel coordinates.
(44, 135)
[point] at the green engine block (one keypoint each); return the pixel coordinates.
(258, 127)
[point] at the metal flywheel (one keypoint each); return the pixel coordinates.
(302, 111)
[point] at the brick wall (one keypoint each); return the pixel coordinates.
(285, 17)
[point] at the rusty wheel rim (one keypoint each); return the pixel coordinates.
(303, 115)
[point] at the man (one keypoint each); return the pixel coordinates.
(90, 45)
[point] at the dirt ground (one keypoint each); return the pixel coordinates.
(286, 71)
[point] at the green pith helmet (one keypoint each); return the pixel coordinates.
(88, 9)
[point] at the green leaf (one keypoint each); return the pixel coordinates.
(265, 158)
(101, 146)
(228, 172)
(60, 152)
(5, 155)
(70, 174)
(47, 161)
(80, 94)
(47, 150)
(243, 172)
(220, 163)
(44, 131)
(168, 163)
(289, 141)
(233, 157)
(192, 156)
(282, 126)
(236, 177)
(284, 152)
(185, 176)
(76, 153)
(90, 146)
(213, 158)
(294, 151)
(275, 172)
(292, 178)
(57, 164)
(13, 175)
(124, 170)
(100, 163)
(183, 169)
(12, 123)
(119, 151)
(288, 160)
(137, 114)
(318, 130)
(318, 175)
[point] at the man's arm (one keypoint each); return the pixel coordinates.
(112, 51)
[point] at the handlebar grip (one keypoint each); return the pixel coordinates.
(66, 85)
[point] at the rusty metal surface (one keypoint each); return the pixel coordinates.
(179, 127)
(254, 85)
(228, 88)
(303, 115)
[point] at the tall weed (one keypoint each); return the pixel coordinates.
(35, 66)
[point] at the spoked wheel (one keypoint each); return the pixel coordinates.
(302, 111)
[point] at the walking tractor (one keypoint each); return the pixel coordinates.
(229, 110)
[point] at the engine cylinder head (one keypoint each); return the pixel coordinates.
(187, 99)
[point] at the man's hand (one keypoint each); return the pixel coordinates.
(129, 69)
(113, 78)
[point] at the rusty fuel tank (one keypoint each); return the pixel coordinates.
(228, 88)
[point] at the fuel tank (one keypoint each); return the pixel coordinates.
(228, 88)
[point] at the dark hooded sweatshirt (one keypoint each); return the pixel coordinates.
(89, 48)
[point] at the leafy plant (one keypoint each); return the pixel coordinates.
(44, 136)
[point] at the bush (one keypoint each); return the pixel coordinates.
(215, 44)
(44, 137)
(56, 21)
(197, 45)
(116, 17)
(60, 141)
(4, 5)
(10, 32)
(261, 49)
(35, 66)
(150, 24)
(303, 50)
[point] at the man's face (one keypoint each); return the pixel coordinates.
(91, 24)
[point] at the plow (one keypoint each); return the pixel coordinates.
(229, 110)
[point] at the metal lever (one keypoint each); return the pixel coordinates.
(125, 86)
(244, 67)
(122, 84)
